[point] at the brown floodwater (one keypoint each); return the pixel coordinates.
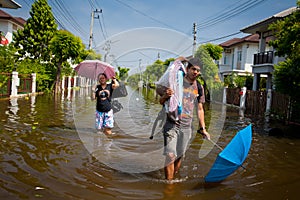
(49, 149)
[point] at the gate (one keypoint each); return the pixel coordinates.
(5, 84)
(256, 102)
(25, 84)
(233, 96)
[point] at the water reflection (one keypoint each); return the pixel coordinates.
(43, 156)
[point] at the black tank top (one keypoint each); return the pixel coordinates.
(103, 98)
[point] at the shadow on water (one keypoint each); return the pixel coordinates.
(43, 154)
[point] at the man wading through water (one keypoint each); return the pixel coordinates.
(177, 133)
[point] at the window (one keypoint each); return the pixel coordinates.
(225, 60)
(239, 56)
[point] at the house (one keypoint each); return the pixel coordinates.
(10, 24)
(237, 56)
(9, 4)
(265, 59)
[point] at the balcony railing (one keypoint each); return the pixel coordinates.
(263, 58)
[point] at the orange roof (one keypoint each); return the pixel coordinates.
(234, 41)
(18, 20)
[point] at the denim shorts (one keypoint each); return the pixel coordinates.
(176, 139)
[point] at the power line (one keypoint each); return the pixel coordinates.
(61, 11)
(221, 17)
(148, 16)
(92, 4)
(58, 21)
(104, 34)
(226, 36)
(28, 4)
(72, 19)
(103, 24)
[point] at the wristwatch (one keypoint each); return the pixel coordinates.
(200, 130)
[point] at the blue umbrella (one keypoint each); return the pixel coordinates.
(232, 157)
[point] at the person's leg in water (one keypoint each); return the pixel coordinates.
(184, 137)
(177, 165)
(170, 166)
(107, 131)
(108, 122)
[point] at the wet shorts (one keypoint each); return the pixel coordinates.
(176, 140)
(104, 119)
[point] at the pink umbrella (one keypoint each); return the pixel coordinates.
(91, 69)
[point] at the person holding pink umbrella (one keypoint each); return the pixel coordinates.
(103, 94)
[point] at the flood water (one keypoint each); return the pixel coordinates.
(49, 149)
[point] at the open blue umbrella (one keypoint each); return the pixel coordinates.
(232, 157)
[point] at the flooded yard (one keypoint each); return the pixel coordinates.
(49, 149)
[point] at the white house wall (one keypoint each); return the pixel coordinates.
(248, 51)
(7, 27)
(251, 49)
(4, 27)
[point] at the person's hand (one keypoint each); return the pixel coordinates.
(168, 93)
(94, 88)
(204, 134)
(181, 58)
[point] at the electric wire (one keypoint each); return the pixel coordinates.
(148, 16)
(72, 20)
(63, 13)
(223, 37)
(237, 10)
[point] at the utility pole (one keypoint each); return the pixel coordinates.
(106, 48)
(195, 38)
(140, 83)
(91, 26)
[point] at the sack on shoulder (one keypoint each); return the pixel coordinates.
(120, 91)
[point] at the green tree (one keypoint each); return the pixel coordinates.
(215, 51)
(209, 70)
(287, 43)
(234, 80)
(64, 46)
(45, 72)
(157, 69)
(209, 77)
(133, 79)
(40, 28)
(7, 58)
(123, 73)
(91, 55)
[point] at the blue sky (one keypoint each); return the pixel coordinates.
(144, 29)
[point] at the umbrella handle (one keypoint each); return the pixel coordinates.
(215, 144)
(222, 149)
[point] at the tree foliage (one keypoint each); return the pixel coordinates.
(64, 47)
(152, 73)
(7, 63)
(234, 80)
(38, 31)
(45, 50)
(215, 51)
(287, 43)
(91, 55)
(209, 73)
(123, 73)
(209, 70)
